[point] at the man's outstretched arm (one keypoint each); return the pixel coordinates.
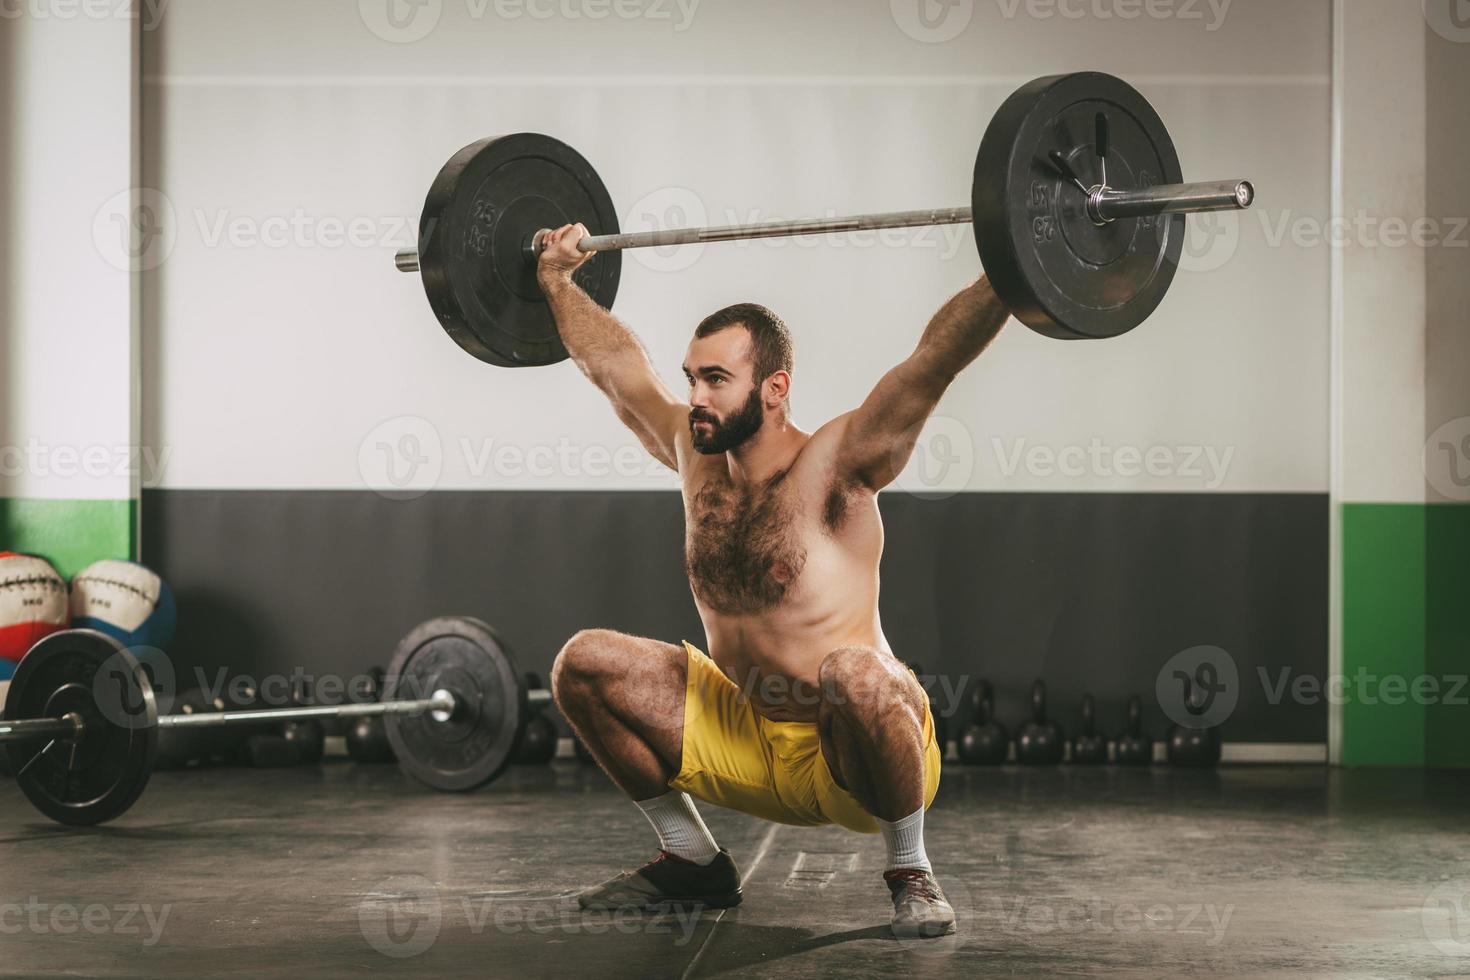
(879, 436)
(608, 353)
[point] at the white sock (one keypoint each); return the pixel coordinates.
(681, 832)
(905, 841)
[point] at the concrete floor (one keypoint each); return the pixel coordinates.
(343, 870)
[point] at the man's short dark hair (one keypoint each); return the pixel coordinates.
(770, 340)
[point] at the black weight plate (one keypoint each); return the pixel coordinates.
(465, 657)
(98, 776)
(481, 212)
(1055, 270)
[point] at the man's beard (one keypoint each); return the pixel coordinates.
(731, 433)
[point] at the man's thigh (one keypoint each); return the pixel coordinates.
(727, 758)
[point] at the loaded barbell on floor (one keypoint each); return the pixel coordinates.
(81, 723)
(1070, 259)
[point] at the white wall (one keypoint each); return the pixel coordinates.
(66, 295)
(274, 366)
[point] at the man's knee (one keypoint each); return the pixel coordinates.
(588, 658)
(865, 681)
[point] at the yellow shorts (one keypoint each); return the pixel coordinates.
(775, 770)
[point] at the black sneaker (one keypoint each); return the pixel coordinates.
(668, 881)
(920, 910)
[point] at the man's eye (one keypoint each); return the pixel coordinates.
(716, 380)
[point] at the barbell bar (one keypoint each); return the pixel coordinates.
(72, 725)
(91, 703)
(1077, 203)
(1106, 203)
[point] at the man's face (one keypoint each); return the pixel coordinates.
(726, 406)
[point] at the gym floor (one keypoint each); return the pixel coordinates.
(336, 871)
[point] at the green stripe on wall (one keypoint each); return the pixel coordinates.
(1406, 575)
(1447, 633)
(71, 534)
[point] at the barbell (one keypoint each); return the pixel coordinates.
(81, 719)
(1077, 204)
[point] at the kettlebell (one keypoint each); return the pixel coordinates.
(1135, 746)
(1089, 748)
(1040, 742)
(986, 742)
(1198, 747)
(309, 737)
(538, 745)
(367, 742)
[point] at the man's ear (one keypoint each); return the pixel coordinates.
(777, 388)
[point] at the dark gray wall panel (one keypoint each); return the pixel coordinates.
(1091, 591)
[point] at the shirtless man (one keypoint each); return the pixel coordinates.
(800, 713)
